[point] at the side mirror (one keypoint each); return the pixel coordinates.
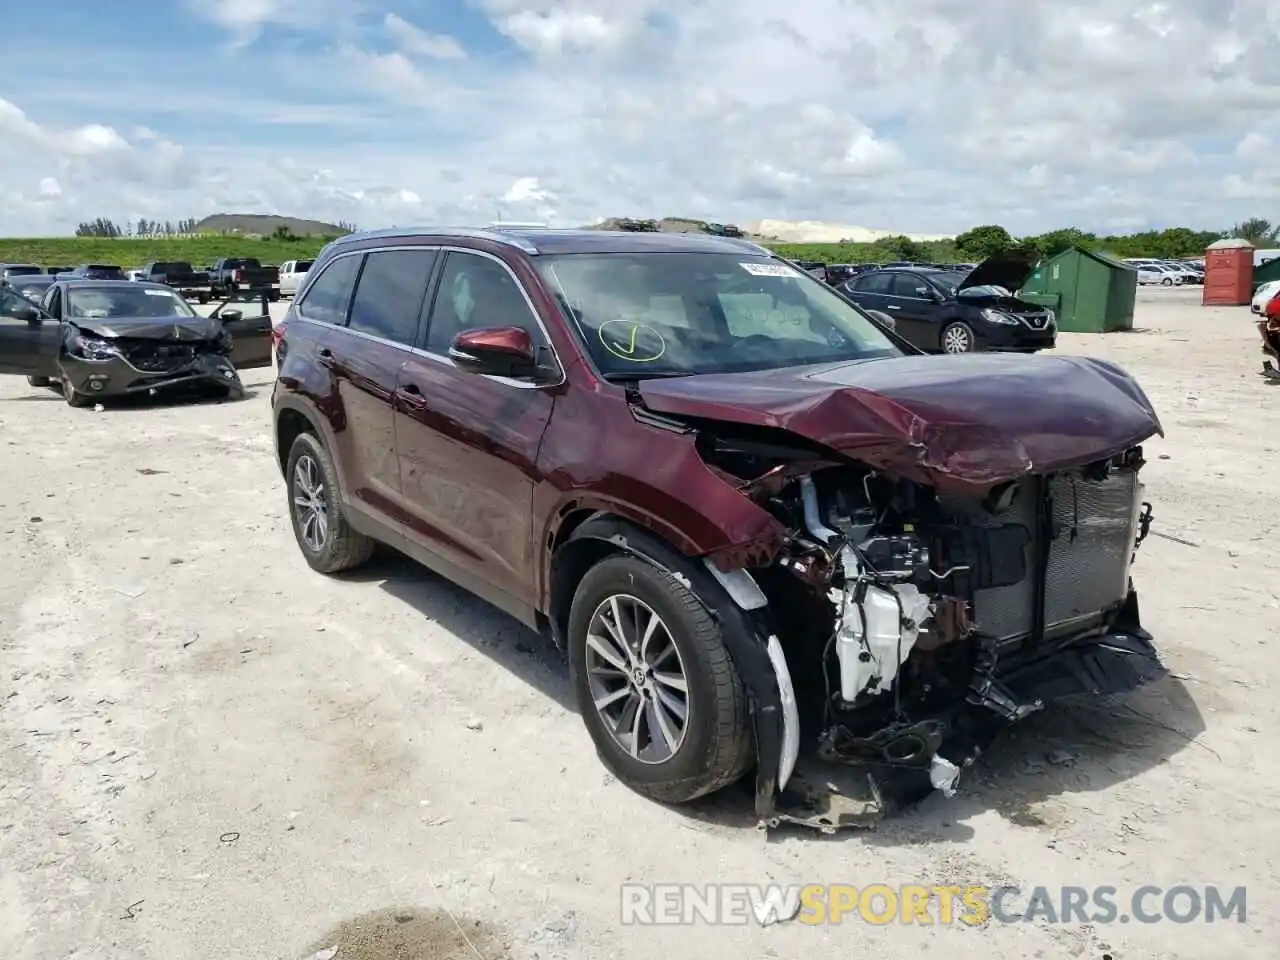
(231, 315)
(497, 351)
(25, 313)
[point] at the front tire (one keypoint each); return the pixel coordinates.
(328, 543)
(74, 397)
(654, 682)
(38, 381)
(957, 338)
(1166, 282)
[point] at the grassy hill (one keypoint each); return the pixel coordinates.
(264, 224)
(127, 253)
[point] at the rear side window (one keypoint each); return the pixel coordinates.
(875, 283)
(389, 294)
(326, 300)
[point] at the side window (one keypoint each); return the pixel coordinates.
(389, 294)
(875, 283)
(327, 298)
(476, 291)
(905, 285)
(12, 304)
(52, 302)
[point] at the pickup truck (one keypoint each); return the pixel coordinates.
(179, 275)
(243, 273)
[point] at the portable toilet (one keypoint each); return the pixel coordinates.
(1228, 273)
(1089, 291)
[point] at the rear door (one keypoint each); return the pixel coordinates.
(28, 345)
(468, 444)
(870, 290)
(364, 356)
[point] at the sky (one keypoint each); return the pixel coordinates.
(928, 116)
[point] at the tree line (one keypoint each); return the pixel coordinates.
(142, 228)
(984, 241)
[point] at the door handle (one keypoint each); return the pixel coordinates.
(411, 396)
(326, 357)
(892, 307)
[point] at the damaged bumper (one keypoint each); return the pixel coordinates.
(158, 367)
(1269, 330)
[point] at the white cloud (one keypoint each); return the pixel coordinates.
(921, 118)
(50, 188)
(415, 41)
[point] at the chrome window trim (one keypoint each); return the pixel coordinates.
(299, 304)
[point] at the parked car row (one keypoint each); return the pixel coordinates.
(1167, 273)
(223, 278)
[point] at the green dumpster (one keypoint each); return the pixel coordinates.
(1094, 293)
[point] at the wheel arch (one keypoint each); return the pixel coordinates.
(587, 536)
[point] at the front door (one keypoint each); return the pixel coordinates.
(468, 444)
(30, 340)
(250, 331)
(914, 310)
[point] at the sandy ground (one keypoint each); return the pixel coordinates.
(208, 751)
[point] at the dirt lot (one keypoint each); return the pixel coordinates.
(208, 751)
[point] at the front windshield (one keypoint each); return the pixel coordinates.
(986, 290)
(671, 314)
(947, 282)
(95, 303)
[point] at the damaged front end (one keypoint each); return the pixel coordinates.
(102, 365)
(921, 622)
(950, 565)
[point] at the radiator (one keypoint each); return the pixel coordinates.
(1095, 526)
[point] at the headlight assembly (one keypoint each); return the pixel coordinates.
(995, 316)
(93, 348)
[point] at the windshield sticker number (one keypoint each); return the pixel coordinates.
(632, 341)
(157, 293)
(768, 269)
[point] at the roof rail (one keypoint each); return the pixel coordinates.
(493, 234)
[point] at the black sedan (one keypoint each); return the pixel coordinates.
(103, 338)
(939, 310)
(32, 287)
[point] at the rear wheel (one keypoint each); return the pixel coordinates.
(957, 338)
(327, 541)
(655, 685)
(202, 297)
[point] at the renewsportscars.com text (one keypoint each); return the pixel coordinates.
(882, 904)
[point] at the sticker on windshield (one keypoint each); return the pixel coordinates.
(157, 293)
(768, 269)
(632, 341)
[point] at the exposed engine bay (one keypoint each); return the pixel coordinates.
(916, 623)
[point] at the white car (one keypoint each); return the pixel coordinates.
(1163, 274)
(1266, 293)
(292, 273)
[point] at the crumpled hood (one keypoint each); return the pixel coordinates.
(966, 421)
(147, 328)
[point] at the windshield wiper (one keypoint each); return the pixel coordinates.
(632, 377)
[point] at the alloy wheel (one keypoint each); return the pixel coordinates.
(956, 340)
(309, 504)
(637, 679)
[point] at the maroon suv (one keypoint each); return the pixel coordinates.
(769, 533)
